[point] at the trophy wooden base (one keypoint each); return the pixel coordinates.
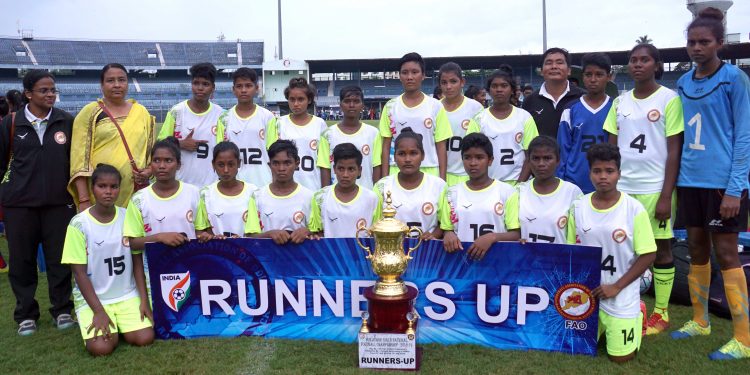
(388, 314)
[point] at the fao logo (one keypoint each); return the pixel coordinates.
(562, 222)
(213, 130)
(366, 150)
(654, 115)
(262, 134)
(126, 242)
(519, 137)
(60, 138)
(499, 208)
(244, 217)
(465, 124)
(361, 224)
(428, 123)
(314, 144)
(574, 301)
(189, 216)
(619, 235)
(428, 208)
(298, 217)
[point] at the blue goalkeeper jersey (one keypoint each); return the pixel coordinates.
(717, 130)
(580, 127)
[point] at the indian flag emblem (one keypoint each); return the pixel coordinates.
(175, 289)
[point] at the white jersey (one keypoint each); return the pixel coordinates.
(460, 119)
(249, 134)
(289, 213)
(342, 220)
(642, 127)
(623, 232)
(417, 207)
(226, 215)
(196, 168)
(509, 137)
(544, 217)
(473, 213)
(306, 137)
(109, 265)
(150, 214)
(368, 142)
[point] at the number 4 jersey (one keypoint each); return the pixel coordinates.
(623, 231)
(472, 213)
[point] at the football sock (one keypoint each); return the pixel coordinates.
(735, 286)
(699, 280)
(663, 281)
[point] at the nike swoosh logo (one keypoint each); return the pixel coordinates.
(586, 230)
(402, 123)
(493, 138)
(99, 243)
(268, 214)
(530, 219)
(626, 116)
(219, 215)
(470, 204)
(160, 220)
(23, 136)
(333, 219)
(539, 112)
(579, 125)
(399, 206)
(235, 133)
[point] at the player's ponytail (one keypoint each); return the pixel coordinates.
(407, 133)
(712, 19)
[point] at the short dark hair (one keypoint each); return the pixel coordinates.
(245, 73)
(530, 87)
(562, 51)
(504, 72)
(226, 146)
(411, 56)
(300, 83)
(472, 91)
(544, 141)
(346, 151)
(603, 152)
(351, 90)
(654, 53)
(105, 169)
(478, 140)
(15, 99)
(408, 133)
(109, 66)
(170, 143)
(712, 19)
(34, 76)
(598, 59)
(204, 70)
(283, 145)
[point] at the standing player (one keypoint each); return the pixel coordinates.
(713, 180)
(510, 128)
(222, 209)
(106, 293)
(542, 204)
(619, 224)
(460, 111)
(351, 130)
(280, 210)
(581, 124)
(477, 210)
(245, 125)
(304, 129)
(646, 123)
(415, 194)
(344, 208)
(424, 115)
(193, 123)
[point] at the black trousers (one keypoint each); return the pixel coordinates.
(26, 228)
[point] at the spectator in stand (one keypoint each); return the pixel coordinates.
(477, 93)
(527, 91)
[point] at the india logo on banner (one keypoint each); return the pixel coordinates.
(175, 289)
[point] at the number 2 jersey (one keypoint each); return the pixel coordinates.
(195, 168)
(472, 213)
(459, 120)
(249, 134)
(623, 231)
(544, 217)
(100, 246)
(416, 207)
(717, 133)
(642, 127)
(307, 138)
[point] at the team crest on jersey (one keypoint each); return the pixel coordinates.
(298, 217)
(361, 224)
(314, 144)
(574, 301)
(189, 216)
(519, 137)
(428, 208)
(428, 123)
(175, 289)
(619, 235)
(654, 115)
(244, 217)
(562, 222)
(262, 134)
(499, 208)
(213, 130)
(465, 124)
(60, 138)
(365, 150)
(126, 241)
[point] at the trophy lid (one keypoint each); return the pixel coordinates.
(389, 223)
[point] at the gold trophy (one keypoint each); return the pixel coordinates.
(390, 299)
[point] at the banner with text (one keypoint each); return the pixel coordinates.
(519, 296)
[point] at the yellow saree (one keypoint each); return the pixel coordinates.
(97, 141)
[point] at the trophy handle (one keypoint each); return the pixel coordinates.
(419, 242)
(365, 248)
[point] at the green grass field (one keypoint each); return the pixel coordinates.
(50, 351)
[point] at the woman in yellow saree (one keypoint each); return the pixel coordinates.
(97, 140)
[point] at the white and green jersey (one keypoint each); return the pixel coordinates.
(342, 220)
(267, 211)
(623, 231)
(149, 214)
(249, 134)
(417, 207)
(473, 213)
(196, 165)
(225, 214)
(642, 127)
(544, 217)
(309, 139)
(459, 120)
(510, 138)
(368, 142)
(100, 246)
(428, 118)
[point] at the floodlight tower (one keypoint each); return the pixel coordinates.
(696, 6)
(281, 42)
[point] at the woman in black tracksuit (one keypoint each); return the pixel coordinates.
(37, 205)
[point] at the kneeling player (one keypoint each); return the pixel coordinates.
(281, 209)
(107, 302)
(475, 210)
(344, 208)
(619, 224)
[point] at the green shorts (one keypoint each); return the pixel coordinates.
(429, 170)
(455, 179)
(623, 335)
(126, 316)
(662, 229)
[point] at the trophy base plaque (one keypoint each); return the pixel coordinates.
(388, 314)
